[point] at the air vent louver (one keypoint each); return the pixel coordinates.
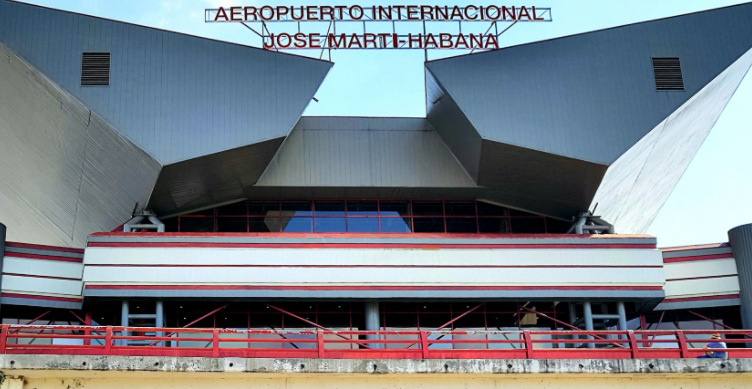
(668, 74)
(95, 69)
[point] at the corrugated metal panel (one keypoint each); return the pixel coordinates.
(591, 96)
(211, 179)
(175, 96)
(364, 152)
(63, 173)
(638, 184)
(740, 239)
(452, 124)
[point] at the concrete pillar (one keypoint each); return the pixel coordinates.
(740, 239)
(373, 322)
(124, 313)
(159, 321)
(588, 312)
(2, 250)
(572, 318)
(622, 317)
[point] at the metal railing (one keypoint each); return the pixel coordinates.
(208, 342)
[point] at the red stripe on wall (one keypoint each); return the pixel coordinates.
(701, 278)
(362, 235)
(45, 257)
(34, 297)
(396, 266)
(366, 287)
(698, 258)
(702, 298)
(374, 245)
(42, 247)
(47, 277)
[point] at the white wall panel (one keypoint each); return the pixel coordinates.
(702, 287)
(41, 267)
(41, 286)
(704, 268)
(362, 256)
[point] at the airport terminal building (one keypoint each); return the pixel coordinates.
(155, 179)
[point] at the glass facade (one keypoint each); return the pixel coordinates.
(365, 216)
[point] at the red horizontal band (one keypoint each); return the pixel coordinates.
(367, 287)
(35, 297)
(45, 257)
(47, 277)
(43, 247)
(701, 298)
(701, 278)
(418, 235)
(374, 245)
(698, 258)
(395, 266)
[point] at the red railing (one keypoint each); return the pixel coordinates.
(198, 342)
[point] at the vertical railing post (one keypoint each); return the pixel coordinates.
(424, 343)
(528, 344)
(633, 346)
(4, 337)
(215, 343)
(87, 331)
(108, 340)
(682, 344)
(320, 343)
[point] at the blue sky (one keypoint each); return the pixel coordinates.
(714, 195)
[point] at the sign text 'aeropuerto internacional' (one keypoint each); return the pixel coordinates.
(377, 26)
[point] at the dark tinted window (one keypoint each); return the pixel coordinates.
(394, 208)
(362, 208)
(486, 209)
(494, 225)
(329, 208)
(428, 208)
(526, 225)
(428, 224)
(196, 224)
(232, 224)
(459, 208)
(238, 208)
(263, 207)
(296, 208)
(297, 224)
(461, 225)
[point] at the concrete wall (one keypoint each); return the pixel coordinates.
(80, 372)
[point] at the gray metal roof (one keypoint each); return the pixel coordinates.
(176, 96)
(64, 172)
(548, 118)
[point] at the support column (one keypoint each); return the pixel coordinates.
(2, 251)
(124, 313)
(588, 312)
(572, 319)
(740, 239)
(622, 317)
(159, 320)
(372, 321)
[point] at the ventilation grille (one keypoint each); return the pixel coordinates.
(668, 74)
(95, 69)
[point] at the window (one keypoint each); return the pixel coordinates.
(366, 216)
(95, 69)
(668, 74)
